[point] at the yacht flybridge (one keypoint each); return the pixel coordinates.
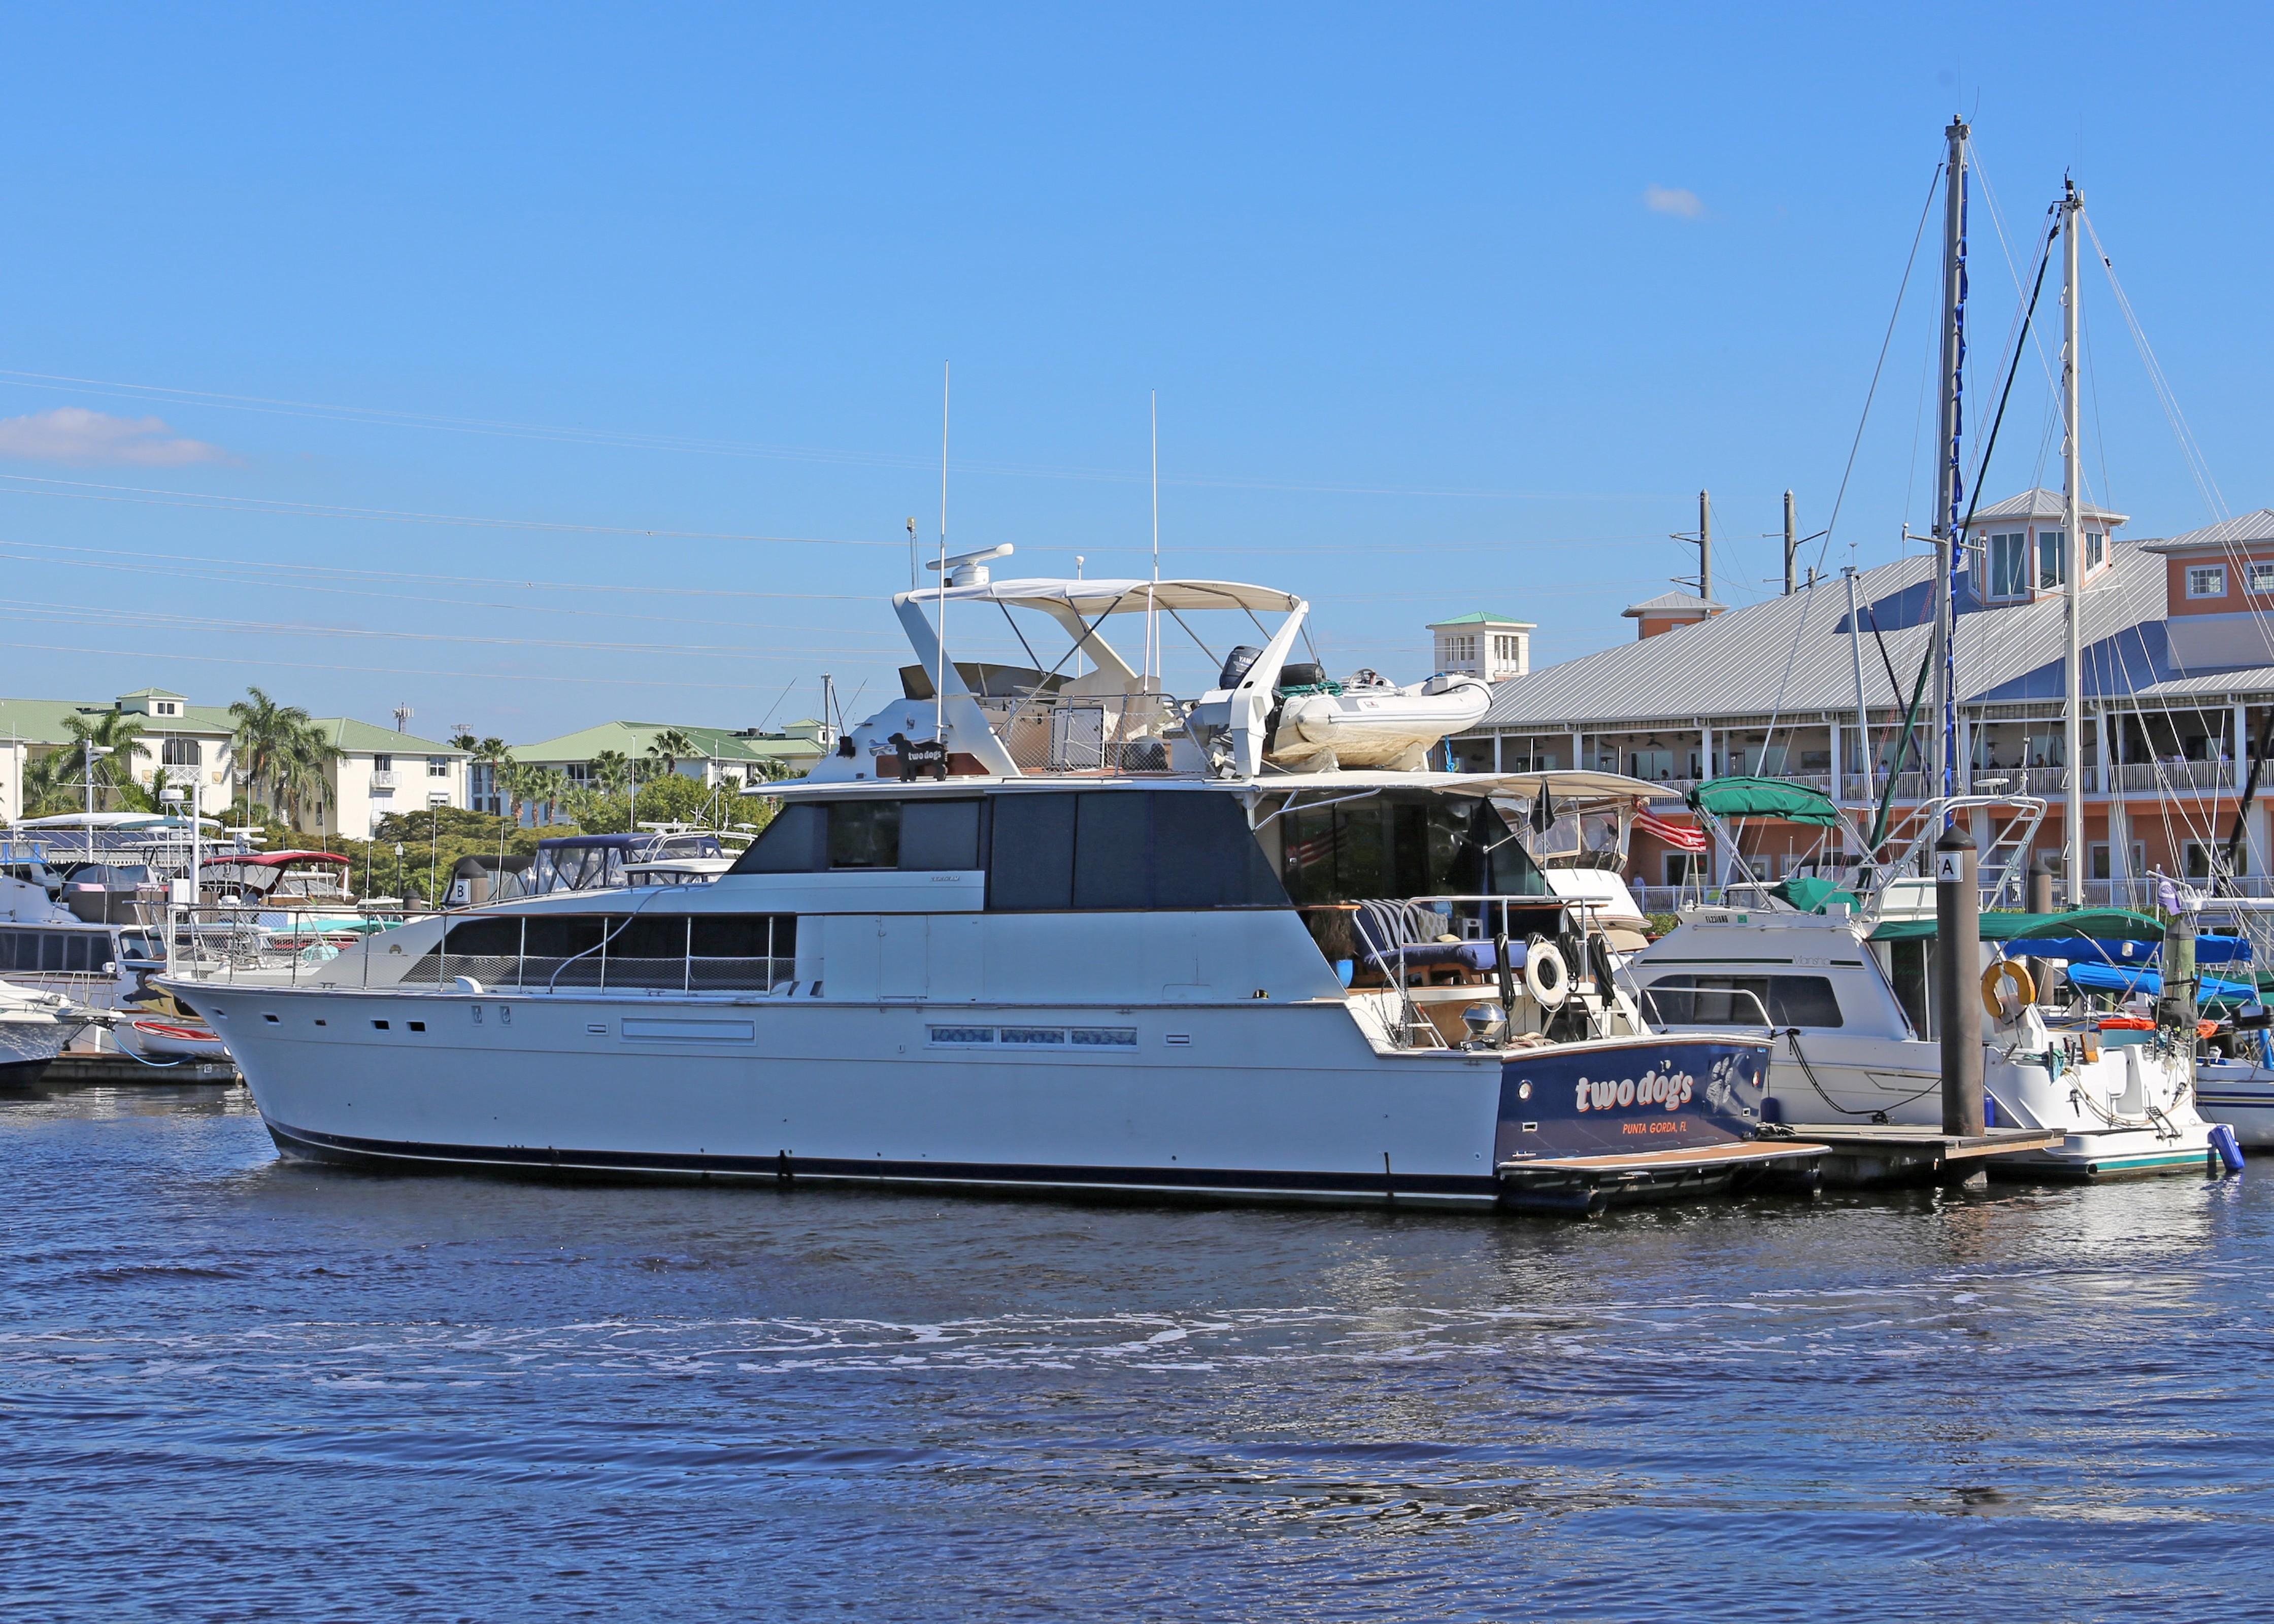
(1060, 928)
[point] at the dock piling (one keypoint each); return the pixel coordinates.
(1958, 942)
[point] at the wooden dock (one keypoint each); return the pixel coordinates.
(1583, 1186)
(80, 1066)
(1857, 1155)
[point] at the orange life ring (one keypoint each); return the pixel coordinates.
(2002, 973)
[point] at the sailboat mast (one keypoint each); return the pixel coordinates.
(1948, 482)
(2073, 564)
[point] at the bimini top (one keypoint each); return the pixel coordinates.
(275, 859)
(2102, 924)
(114, 820)
(1741, 797)
(1091, 599)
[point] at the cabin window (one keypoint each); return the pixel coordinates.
(713, 951)
(2051, 550)
(914, 834)
(1723, 1000)
(2009, 572)
(795, 843)
(939, 835)
(2207, 580)
(864, 834)
(1390, 845)
(178, 751)
(2259, 577)
(2095, 549)
(1108, 849)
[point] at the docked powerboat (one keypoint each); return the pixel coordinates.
(34, 1027)
(1845, 987)
(989, 943)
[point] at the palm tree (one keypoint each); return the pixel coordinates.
(113, 730)
(493, 753)
(47, 786)
(669, 748)
(299, 770)
(264, 739)
(611, 770)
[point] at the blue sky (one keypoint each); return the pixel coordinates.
(1447, 307)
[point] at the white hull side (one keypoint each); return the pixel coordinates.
(2241, 1096)
(1854, 1078)
(1280, 1100)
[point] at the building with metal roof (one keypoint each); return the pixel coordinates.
(1814, 685)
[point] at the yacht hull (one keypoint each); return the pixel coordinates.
(2241, 1096)
(1249, 1101)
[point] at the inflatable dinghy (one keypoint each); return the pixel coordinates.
(1320, 727)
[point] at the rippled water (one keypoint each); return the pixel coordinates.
(238, 1388)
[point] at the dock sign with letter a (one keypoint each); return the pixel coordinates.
(1950, 868)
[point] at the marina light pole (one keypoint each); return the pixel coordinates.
(1948, 481)
(2073, 564)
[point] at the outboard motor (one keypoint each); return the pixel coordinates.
(1238, 664)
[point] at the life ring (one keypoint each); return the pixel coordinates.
(2001, 974)
(1546, 976)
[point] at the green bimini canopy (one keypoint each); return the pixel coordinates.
(2102, 924)
(1795, 803)
(1812, 894)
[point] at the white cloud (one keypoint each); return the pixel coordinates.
(1679, 201)
(74, 434)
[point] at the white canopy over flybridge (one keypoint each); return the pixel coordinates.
(1094, 597)
(1264, 709)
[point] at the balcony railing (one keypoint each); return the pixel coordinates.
(382, 780)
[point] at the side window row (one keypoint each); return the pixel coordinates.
(1043, 850)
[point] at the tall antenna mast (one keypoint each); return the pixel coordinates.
(1151, 630)
(912, 550)
(1949, 481)
(939, 677)
(1704, 547)
(2073, 565)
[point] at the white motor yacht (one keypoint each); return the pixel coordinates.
(1065, 933)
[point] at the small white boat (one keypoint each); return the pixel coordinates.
(169, 1040)
(34, 1026)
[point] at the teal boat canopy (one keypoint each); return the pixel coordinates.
(1812, 894)
(2102, 924)
(1795, 803)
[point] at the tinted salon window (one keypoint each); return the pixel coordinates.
(1126, 849)
(864, 834)
(939, 834)
(796, 842)
(1032, 864)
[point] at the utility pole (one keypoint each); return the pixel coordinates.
(1791, 541)
(1950, 422)
(2073, 562)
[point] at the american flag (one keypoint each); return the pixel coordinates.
(1680, 837)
